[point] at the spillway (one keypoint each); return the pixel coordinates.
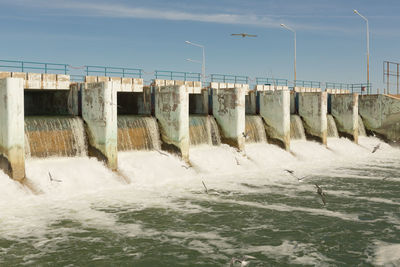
(54, 136)
(138, 133)
(332, 129)
(296, 128)
(255, 129)
(203, 130)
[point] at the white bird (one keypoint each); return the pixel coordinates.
(295, 176)
(245, 135)
(244, 261)
(376, 148)
(244, 35)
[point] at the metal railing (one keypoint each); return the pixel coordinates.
(271, 81)
(115, 71)
(360, 88)
(311, 84)
(229, 78)
(177, 75)
(24, 66)
(330, 85)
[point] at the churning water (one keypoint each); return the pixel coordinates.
(253, 207)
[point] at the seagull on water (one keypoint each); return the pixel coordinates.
(244, 261)
(205, 187)
(53, 180)
(376, 148)
(243, 35)
(321, 194)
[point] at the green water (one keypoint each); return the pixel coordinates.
(265, 214)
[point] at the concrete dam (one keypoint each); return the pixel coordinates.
(48, 115)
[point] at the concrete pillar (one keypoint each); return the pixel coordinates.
(344, 108)
(229, 111)
(172, 113)
(381, 115)
(313, 110)
(99, 111)
(275, 110)
(12, 142)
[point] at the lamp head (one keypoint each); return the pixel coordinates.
(283, 25)
(355, 11)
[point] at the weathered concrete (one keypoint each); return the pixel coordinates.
(99, 111)
(313, 110)
(381, 115)
(12, 142)
(307, 89)
(275, 110)
(229, 111)
(193, 87)
(172, 113)
(251, 102)
(293, 104)
(121, 84)
(344, 109)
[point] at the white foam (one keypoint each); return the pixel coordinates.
(387, 254)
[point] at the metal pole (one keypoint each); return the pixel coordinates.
(387, 77)
(356, 12)
(397, 78)
(295, 48)
(203, 68)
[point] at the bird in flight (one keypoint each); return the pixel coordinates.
(291, 172)
(243, 35)
(53, 180)
(321, 193)
(376, 148)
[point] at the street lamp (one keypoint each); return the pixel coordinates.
(203, 65)
(366, 20)
(290, 29)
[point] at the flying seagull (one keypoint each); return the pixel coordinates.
(244, 261)
(53, 180)
(205, 187)
(321, 194)
(295, 176)
(243, 35)
(376, 148)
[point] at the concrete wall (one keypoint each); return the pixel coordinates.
(381, 114)
(313, 110)
(275, 110)
(12, 142)
(293, 109)
(229, 111)
(37, 81)
(172, 113)
(99, 111)
(344, 109)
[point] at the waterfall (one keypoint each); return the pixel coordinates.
(203, 129)
(138, 133)
(54, 136)
(332, 129)
(296, 128)
(255, 129)
(361, 127)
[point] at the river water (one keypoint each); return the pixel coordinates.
(252, 206)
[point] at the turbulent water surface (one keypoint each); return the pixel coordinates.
(164, 217)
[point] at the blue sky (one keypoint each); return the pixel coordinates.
(150, 34)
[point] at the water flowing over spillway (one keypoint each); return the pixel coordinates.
(55, 136)
(361, 127)
(203, 130)
(138, 133)
(296, 128)
(252, 207)
(255, 129)
(332, 129)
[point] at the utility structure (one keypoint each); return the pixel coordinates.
(366, 20)
(203, 65)
(292, 30)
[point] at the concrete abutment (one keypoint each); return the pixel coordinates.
(344, 109)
